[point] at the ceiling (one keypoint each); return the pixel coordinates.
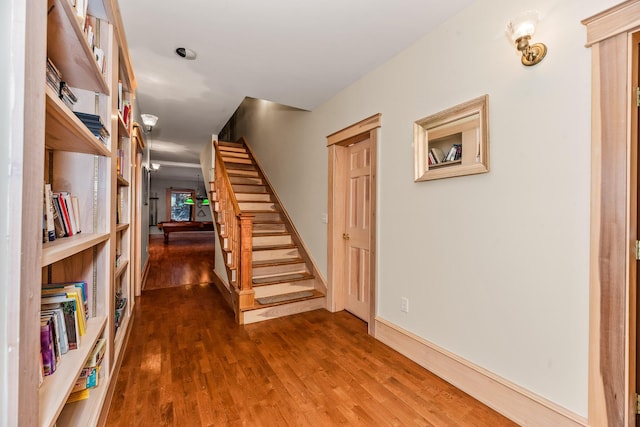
(294, 52)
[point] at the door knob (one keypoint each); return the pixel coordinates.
(345, 236)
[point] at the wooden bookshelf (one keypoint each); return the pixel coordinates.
(78, 162)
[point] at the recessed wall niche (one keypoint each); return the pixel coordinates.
(453, 142)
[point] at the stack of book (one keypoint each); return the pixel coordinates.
(94, 123)
(61, 214)
(90, 373)
(437, 156)
(63, 316)
(54, 80)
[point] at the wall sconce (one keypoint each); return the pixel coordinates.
(520, 30)
(149, 121)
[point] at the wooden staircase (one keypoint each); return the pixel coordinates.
(264, 256)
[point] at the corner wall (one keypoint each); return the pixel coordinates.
(495, 266)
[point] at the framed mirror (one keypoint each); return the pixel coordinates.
(453, 142)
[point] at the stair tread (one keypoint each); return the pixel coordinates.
(272, 247)
(273, 234)
(256, 306)
(281, 278)
(283, 261)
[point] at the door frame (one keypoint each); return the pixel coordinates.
(614, 214)
(337, 144)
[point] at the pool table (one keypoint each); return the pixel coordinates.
(178, 226)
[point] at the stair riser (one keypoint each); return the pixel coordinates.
(274, 270)
(282, 288)
(267, 216)
(232, 146)
(253, 197)
(244, 173)
(259, 315)
(235, 154)
(242, 188)
(245, 180)
(275, 254)
(251, 206)
(235, 161)
(268, 228)
(272, 240)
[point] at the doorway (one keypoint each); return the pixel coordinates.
(351, 230)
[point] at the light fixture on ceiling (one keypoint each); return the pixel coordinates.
(185, 53)
(149, 121)
(155, 166)
(520, 30)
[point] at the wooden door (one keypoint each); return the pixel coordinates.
(357, 236)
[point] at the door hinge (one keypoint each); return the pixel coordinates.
(637, 403)
(637, 250)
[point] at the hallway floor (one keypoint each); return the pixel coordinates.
(188, 364)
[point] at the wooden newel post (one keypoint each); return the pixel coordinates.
(246, 251)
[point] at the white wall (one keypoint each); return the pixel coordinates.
(495, 266)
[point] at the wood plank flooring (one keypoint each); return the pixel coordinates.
(188, 364)
(186, 260)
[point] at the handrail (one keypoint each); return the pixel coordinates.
(238, 230)
(225, 177)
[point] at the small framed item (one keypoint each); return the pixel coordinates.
(453, 142)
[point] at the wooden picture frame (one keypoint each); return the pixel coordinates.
(453, 142)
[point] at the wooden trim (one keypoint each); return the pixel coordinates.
(613, 21)
(145, 274)
(113, 376)
(612, 308)
(223, 289)
(20, 296)
(511, 400)
(362, 127)
(337, 144)
(170, 191)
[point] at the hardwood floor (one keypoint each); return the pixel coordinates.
(188, 364)
(186, 260)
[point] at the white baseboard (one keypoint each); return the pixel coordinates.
(511, 400)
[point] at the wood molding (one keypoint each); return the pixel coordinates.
(145, 273)
(355, 129)
(113, 378)
(614, 189)
(337, 144)
(613, 21)
(509, 399)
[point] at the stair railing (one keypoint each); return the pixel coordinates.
(238, 229)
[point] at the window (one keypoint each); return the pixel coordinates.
(177, 209)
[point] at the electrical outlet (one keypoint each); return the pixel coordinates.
(404, 305)
(325, 218)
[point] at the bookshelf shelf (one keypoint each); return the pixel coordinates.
(122, 182)
(65, 131)
(121, 332)
(84, 412)
(65, 247)
(122, 227)
(69, 50)
(56, 387)
(121, 268)
(122, 127)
